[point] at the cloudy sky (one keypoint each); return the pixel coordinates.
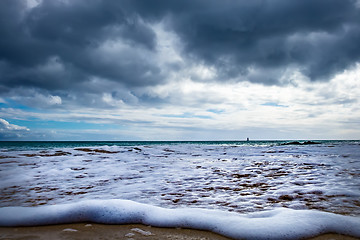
(179, 70)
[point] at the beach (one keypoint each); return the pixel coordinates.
(84, 231)
(240, 190)
(98, 231)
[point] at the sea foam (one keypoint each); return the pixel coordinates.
(281, 223)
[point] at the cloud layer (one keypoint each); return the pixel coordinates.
(11, 131)
(84, 56)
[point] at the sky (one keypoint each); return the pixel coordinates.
(179, 70)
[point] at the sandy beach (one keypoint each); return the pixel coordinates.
(99, 231)
(131, 231)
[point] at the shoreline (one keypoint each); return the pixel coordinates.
(84, 231)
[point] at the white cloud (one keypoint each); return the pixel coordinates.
(36, 99)
(5, 125)
(168, 46)
(33, 3)
(54, 100)
(303, 109)
(108, 98)
(357, 3)
(11, 131)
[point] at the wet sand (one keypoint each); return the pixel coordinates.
(82, 231)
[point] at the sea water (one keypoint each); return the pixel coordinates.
(224, 187)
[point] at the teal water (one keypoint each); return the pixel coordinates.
(26, 145)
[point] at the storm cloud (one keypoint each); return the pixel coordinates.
(66, 55)
(58, 44)
(318, 38)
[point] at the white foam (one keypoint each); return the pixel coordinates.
(242, 179)
(69, 230)
(142, 232)
(281, 223)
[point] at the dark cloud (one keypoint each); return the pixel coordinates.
(59, 47)
(234, 36)
(71, 33)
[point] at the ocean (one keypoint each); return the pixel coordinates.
(254, 180)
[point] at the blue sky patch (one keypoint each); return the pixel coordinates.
(273, 104)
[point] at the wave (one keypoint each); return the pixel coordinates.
(281, 223)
